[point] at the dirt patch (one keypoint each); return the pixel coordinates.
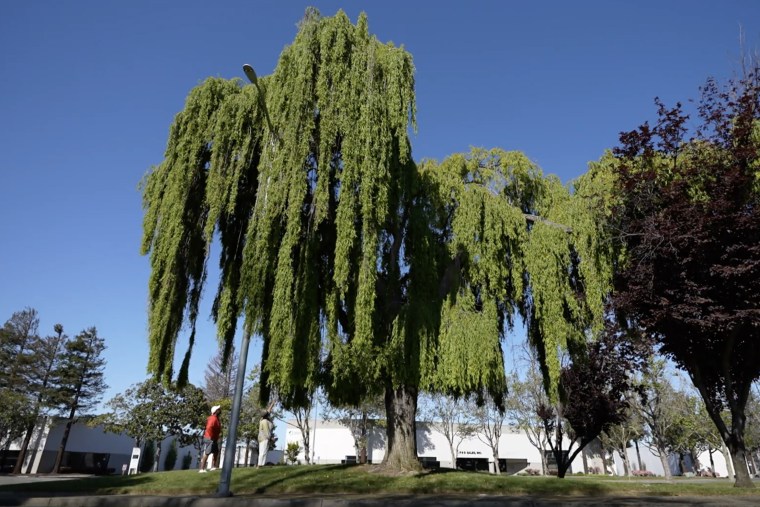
(387, 471)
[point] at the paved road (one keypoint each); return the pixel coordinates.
(377, 501)
(39, 500)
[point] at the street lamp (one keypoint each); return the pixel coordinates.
(229, 452)
(251, 75)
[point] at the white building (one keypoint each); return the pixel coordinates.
(333, 443)
(96, 451)
(93, 450)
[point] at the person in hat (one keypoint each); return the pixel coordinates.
(211, 438)
(265, 434)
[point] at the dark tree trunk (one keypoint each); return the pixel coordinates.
(739, 460)
(638, 454)
(64, 441)
(24, 447)
(563, 465)
(401, 409)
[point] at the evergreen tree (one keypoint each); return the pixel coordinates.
(363, 272)
(79, 381)
(171, 456)
(16, 340)
(46, 352)
(148, 456)
(17, 362)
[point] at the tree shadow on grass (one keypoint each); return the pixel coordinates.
(101, 485)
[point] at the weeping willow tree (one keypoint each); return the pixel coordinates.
(362, 272)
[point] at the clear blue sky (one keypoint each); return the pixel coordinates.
(88, 90)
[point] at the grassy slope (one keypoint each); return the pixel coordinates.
(343, 479)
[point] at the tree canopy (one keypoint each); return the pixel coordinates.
(362, 271)
(689, 212)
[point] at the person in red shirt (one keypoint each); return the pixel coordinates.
(211, 437)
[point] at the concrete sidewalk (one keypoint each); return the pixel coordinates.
(12, 499)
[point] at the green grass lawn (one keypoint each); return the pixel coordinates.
(351, 479)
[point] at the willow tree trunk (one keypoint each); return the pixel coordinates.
(401, 409)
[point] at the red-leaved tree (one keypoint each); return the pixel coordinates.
(689, 219)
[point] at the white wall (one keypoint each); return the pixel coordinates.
(332, 442)
(654, 464)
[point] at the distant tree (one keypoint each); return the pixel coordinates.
(250, 412)
(16, 339)
(526, 396)
(47, 354)
(689, 220)
(359, 419)
(301, 415)
(453, 418)
(708, 438)
(687, 434)
(594, 393)
(79, 381)
(151, 412)
(219, 377)
(619, 437)
(16, 362)
(14, 417)
(490, 420)
(752, 431)
(658, 407)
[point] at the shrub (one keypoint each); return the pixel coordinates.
(187, 459)
(291, 453)
(171, 456)
(643, 473)
(148, 456)
(532, 471)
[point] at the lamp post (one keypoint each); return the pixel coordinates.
(229, 452)
(251, 75)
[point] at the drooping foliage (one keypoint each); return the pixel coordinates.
(361, 271)
(205, 183)
(516, 241)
